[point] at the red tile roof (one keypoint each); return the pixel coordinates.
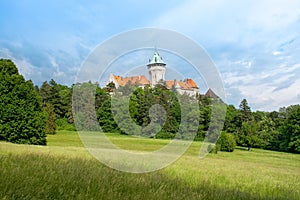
(187, 84)
(169, 84)
(138, 80)
(191, 83)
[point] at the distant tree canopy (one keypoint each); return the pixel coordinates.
(28, 112)
(290, 130)
(22, 118)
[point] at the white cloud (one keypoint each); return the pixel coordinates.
(24, 67)
(41, 74)
(255, 44)
(263, 97)
(266, 90)
(275, 53)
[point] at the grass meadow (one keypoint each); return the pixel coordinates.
(65, 170)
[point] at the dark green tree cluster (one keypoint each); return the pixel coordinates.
(277, 130)
(153, 112)
(130, 111)
(57, 103)
(289, 136)
(22, 117)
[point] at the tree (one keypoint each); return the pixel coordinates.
(231, 122)
(267, 131)
(248, 134)
(290, 132)
(83, 108)
(247, 131)
(204, 117)
(103, 107)
(50, 124)
(56, 100)
(22, 118)
(245, 111)
(45, 92)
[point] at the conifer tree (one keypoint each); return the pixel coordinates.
(22, 118)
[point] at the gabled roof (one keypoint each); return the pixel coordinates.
(210, 94)
(137, 80)
(191, 83)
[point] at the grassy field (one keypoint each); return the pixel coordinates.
(65, 170)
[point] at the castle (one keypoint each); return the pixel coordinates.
(156, 69)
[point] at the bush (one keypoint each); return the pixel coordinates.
(226, 142)
(214, 148)
(164, 135)
(63, 124)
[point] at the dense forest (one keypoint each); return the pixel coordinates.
(28, 113)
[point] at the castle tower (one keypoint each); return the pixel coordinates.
(156, 69)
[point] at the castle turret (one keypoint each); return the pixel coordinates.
(156, 69)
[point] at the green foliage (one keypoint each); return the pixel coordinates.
(8, 67)
(290, 131)
(105, 116)
(248, 134)
(164, 135)
(63, 124)
(45, 92)
(216, 121)
(84, 107)
(232, 122)
(226, 142)
(139, 113)
(136, 114)
(214, 148)
(22, 118)
(50, 124)
(59, 96)
(245, 111)
(204, 117)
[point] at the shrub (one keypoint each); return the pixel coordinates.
(226, 142)
(214, 148)
(63, 124)
(164, 135)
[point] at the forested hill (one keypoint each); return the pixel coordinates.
(28, 113)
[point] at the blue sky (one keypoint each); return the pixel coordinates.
(255, 44)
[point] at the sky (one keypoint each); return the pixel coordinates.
(254, 44)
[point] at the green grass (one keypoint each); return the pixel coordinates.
(65, 170)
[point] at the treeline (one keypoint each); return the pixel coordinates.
(28, 113)
(277, 130)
